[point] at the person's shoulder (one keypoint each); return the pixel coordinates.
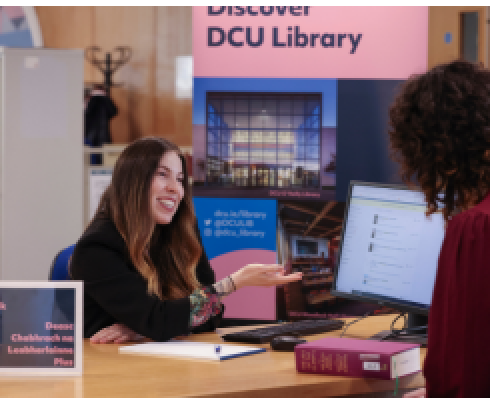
(475, 221)
(102, 231)
(100, 249)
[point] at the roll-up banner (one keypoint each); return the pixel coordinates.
(290, 104)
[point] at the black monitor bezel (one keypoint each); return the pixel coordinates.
(402, 306)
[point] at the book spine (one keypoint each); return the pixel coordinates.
(343, 363)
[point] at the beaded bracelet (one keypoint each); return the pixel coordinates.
(232, 282)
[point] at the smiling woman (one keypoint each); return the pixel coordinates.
(144, 270)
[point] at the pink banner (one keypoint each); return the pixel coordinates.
(249, 302)
(310, 42)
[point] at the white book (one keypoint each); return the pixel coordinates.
(190, 349)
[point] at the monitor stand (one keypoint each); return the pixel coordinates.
(406, 335)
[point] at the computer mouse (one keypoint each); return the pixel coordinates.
(285, 343)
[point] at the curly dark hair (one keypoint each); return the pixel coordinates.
(440, 134)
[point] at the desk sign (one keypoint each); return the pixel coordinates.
(41, 328)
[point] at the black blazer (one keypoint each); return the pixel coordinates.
(115, 292)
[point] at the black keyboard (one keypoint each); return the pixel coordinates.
(298, 328)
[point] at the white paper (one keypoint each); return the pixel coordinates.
(405, 363)
(190, 349)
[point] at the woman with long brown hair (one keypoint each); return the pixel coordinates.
(440, 132)
(144, 270)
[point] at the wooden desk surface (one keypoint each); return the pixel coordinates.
(107, 373)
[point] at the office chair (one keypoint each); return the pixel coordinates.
(59, 267)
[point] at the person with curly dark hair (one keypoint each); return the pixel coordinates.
(440, 133)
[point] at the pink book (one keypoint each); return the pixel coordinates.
(358, 358)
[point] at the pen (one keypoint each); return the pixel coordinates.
(217, 349)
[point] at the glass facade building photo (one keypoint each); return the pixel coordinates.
(263, 139)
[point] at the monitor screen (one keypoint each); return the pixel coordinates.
(389, 249)
(306, 247)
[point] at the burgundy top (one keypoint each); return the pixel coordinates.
(458, 350)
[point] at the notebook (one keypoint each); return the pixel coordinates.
(191, 349)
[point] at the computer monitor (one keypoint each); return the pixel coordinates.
(389, 248)
(306, 247)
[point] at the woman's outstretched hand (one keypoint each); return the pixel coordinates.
(116, 333)
(263, 275)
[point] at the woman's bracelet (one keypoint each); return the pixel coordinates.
(232, 282)
(225, 286)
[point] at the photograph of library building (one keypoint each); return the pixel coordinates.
(264, 144)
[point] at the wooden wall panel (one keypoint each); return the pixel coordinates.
(68, 27)
(487, 43)
(146, 97)
(447, 19)
(173, 118)
(133, 27)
